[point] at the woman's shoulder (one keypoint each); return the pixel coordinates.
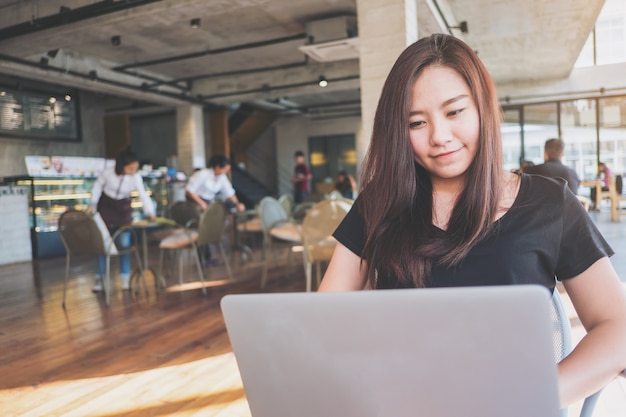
(538, 189)
(539, 183)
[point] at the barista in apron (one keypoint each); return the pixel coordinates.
(110, 196)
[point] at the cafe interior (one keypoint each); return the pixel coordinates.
(256, 80)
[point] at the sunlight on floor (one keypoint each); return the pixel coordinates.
(212, 385)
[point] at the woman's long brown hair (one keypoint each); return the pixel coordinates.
(396, 200)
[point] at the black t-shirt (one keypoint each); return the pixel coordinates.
(545, 234)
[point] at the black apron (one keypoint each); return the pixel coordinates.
(115, 213)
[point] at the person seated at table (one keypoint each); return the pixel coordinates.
(553, 151)
(110, 196)
(211, 184)
(604, 176)
(346, 184)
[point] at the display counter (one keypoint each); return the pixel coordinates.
(47, 198)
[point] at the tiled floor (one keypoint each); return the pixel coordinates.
(612, 402)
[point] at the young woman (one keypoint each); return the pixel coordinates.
(437, 209)
(110, 196)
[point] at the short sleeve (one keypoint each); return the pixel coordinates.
(581, 244)
(351, 231)
(195, 181)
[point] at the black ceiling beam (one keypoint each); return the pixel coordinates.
(93, 76)
(266, 88)
(65, 17)
(212, 52)
(228, 73)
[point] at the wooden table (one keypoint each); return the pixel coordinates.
(144, 226)
(598, 185)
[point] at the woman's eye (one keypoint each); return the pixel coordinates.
(455, 112)
(415, 124)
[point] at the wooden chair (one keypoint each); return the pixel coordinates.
(184, 237)
(317, 228)
(615, 190)
(211, 230)
(81, 235)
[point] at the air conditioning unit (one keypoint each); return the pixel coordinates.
(332, 39)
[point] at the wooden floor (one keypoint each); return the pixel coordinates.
(165, 355)
(155, 355)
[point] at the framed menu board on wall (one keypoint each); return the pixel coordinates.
(39, 115)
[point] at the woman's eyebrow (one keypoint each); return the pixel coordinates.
(444, 104)
(454, 99)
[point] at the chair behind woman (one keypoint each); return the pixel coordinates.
(317, 228)
(211, 230)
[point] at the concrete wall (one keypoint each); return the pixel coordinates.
(13, 149)
(153, 137)
(292, 134)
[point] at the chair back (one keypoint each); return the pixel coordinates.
(271, 213)
(335, 194)
(80, 234)
(318, 226)
(212, 224)
(184, 213)
(286, 202)
(563, 346)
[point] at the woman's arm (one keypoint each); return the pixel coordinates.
(148, 206)
(344, 272)
(96, 193)
(600, 302)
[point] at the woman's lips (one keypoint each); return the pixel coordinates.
(446, 154)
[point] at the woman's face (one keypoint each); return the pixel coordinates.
(444, 126)
(131, 169)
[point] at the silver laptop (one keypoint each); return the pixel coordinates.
(471, 352)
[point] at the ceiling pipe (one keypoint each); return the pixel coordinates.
(266, 88)
(95, 77)
(66, 17)
(211, 52)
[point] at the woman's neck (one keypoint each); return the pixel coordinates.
(445, 195)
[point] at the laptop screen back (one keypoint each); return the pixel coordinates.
(480, 351)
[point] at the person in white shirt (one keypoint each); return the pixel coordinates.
(212, 183)
(110, 196)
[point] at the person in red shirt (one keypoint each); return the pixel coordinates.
(301, 178)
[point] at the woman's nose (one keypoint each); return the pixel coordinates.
(441, 133)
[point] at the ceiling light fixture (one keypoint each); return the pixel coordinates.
(116, 40)
(462, 26)
(322, 82)
(195, 23)
(68, 97)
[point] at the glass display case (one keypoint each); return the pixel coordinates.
(51, 197)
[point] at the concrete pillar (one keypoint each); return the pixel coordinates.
(190, 138)
(386, 28)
